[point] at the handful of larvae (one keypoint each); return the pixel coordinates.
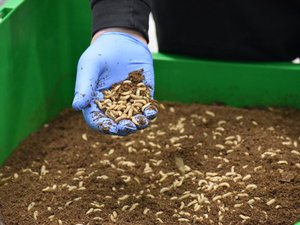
(126, 99)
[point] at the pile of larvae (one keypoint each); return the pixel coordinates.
(126, 99)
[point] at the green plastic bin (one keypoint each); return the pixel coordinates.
(41, 41)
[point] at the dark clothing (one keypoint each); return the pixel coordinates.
(256, 30)
(132, 14)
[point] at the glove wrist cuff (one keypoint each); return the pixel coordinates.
(134, 33)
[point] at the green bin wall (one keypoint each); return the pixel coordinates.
(41, 41)
(187, 80)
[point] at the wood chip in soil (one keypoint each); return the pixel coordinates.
(195, 164)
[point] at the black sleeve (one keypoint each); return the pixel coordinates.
(133, 14)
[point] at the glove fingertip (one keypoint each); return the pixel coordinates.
(76, 106)
(150, 112)
(141, 121)
(107, 126)
(79, 103)
(126, 127)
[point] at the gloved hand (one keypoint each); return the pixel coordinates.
(108, 61)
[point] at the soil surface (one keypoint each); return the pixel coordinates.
(194, 165)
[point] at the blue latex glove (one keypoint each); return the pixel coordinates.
(107, 61)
